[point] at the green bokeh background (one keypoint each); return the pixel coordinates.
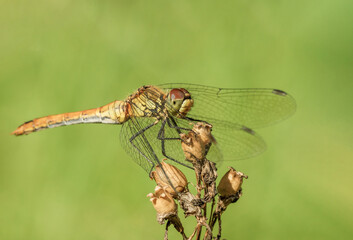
(77, 182)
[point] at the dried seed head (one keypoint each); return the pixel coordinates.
(176, 177)
(162, 201)
(204, 131)
(230, 183)
(193, 147)
(197, 142)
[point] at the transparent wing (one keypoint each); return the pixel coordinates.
(140, 149)
(234, 142)
(253, 108)
(146, 149)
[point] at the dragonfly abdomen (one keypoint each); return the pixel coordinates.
(112, 113)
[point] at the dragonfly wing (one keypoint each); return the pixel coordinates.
(146, 149)
(138, 147)
(172, 144)
(233, 141)
(237, 142)
(253, 108)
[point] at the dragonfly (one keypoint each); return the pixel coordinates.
(153, 117)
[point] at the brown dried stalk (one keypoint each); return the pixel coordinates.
(195, 144)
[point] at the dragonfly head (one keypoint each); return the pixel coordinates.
(179, 102)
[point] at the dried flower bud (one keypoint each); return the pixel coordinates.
(230, 183)
(193, 147)
(162, 201)
(204, 131)
(176, 177)
(197, 142)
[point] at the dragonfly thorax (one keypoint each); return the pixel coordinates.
(179, 102)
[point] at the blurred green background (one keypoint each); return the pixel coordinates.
(77, 182)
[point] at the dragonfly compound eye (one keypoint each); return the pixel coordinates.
(180, 101)
(176, 94)
(175, 98)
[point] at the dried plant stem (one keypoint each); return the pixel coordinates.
(177, 225)
(219, 228)
(198, 235)
(166, 231)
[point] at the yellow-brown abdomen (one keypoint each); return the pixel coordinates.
(112, 113)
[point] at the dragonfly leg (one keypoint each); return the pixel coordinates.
(154, 155)
(195, 120)
(162, 138)
(172, 124)
(161, 132)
